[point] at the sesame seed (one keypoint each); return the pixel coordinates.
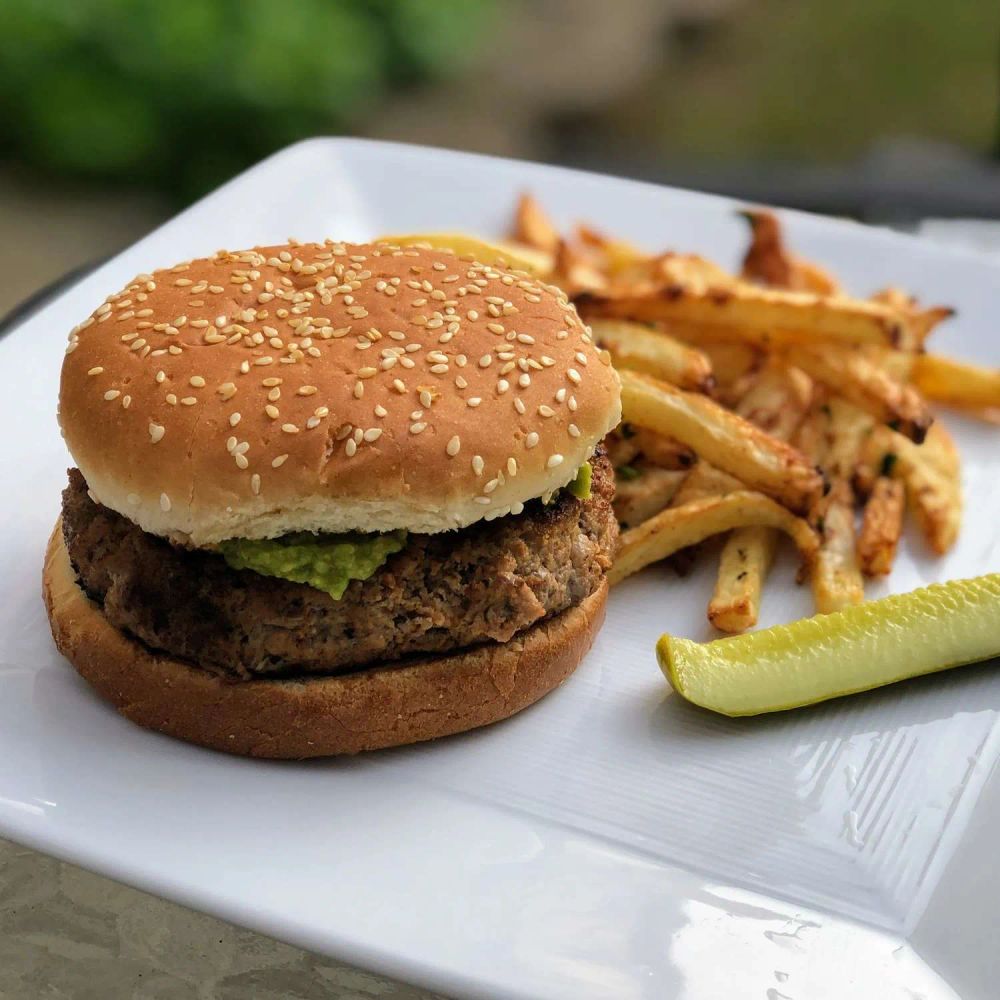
(188, 401)
(483, 500)
(418, 427)
(112, 394)
(495, 327)
(454, 445)
(524, 380)
(312, 422)
(519, 405)
(274, 395)
(472, 315)
(307, 390)
(546, 411)
(531, 440)
(439, 369)
(171, 399)
(574, 431)
(561, 395)
(373, 434)
(512, 466)
(486, 360)
(290, 428)
(553, 461)
(473, 401)
(96, 371)
(572, 404)
(156, 432)
(164, 503)
(241, 460)
(197, 381)
(573, 375)
(491, 485)
(461, 382)
(525, 338)
(380, 410)
(277, 463)
(359, 389)
(255, 483)
(367, 372)
(399, 385)
(477, 464)
(350, 448)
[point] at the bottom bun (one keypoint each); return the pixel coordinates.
(385, 706)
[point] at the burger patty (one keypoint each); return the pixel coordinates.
(440, 593)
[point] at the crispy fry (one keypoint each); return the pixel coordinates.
(836, 576)
(643, 349)
(638, 497)
(754, 312)
(619, 255)
(526, 258)
(957, 382)
(532, 225)
(776, 403)
(722, 438)
(768, 261)
(704, 480)
(777, 400)
(666, 452)
(831, 435)
(881, 527)
(858, 380)
(679, 527)
(574, 271)
(922, 320)
(933, 480)
(743, 567)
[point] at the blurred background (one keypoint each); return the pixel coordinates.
(114, 114)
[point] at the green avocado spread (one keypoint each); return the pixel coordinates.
(326, 562)
(580, 487)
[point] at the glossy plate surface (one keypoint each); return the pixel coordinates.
(609, 842)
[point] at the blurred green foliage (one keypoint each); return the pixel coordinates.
(181, 94)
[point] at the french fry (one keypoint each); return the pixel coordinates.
(677, 528)
(835, 574)
(574, 271)
(746, 309)
(858, 380)
(643, 349)
(768, 262)
(666, 452)
(638, 497)
(722, 438)
(922, 320)
(525, 258)
(881, 527)
(702, 481)
(743, 567)
(532, 225)
(932, 476)
(619, 255)
(831, 435)
(776, 403)
(957, 382)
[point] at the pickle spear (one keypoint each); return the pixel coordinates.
(856, 649)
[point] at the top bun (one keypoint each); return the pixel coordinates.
(331, 387)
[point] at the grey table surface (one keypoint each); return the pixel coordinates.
(66, 934)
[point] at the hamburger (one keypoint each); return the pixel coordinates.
(331, 497)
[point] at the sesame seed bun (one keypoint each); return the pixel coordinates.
(374, 708)
(331, 387)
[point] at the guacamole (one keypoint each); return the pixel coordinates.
(326, 562)
(580, 487)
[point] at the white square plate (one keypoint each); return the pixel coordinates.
(609, 842)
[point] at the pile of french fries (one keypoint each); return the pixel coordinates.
(765, 403)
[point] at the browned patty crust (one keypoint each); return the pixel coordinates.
(440, 593)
